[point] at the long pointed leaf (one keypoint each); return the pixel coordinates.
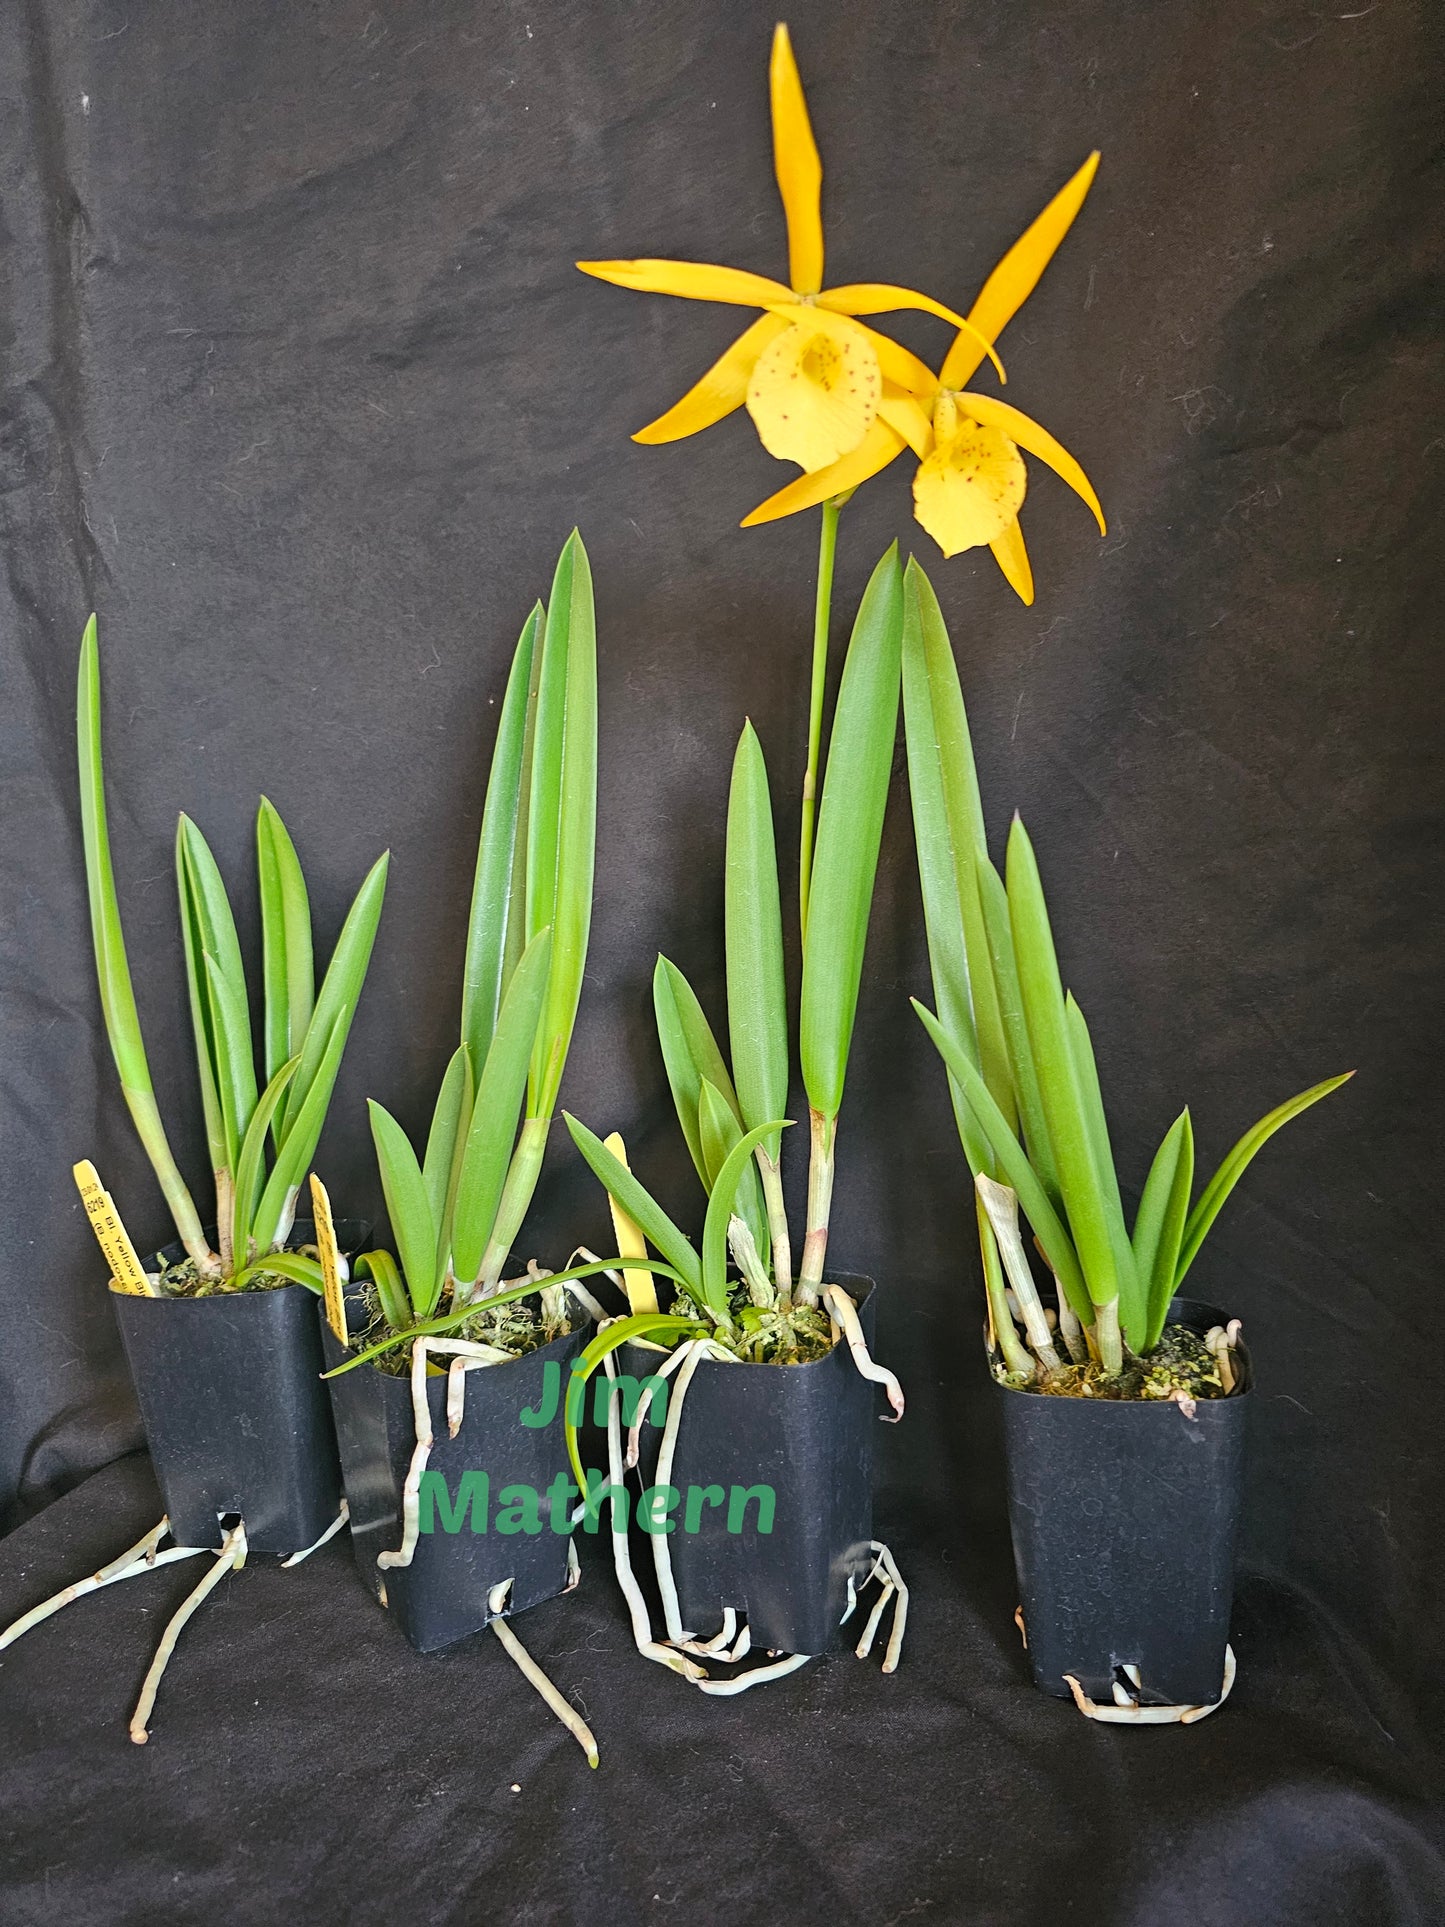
(382, 1269)
(446, 1146)
(288, 969)
(720, 1132)
(249, 1164)
(736, 1167)
(850, 829)
(336, 1002)
(235, 1062)
(1133, 1290)
(639, 1204)
(1063, 1101)
(1049, 1228)
(993, 900)
(413, 1229)
(500, 1090)
(293, 1160)
(950, 836)
(117, 998)
(496, 923)
(690, 1054)
(1214, 1194)
(1160, 1220)
(562, 814)
(757, 997)
(203, 1016)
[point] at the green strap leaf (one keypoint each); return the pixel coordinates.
(1133, 1290)
(757, 996)
(382, 1269)
(562, 812)
(288, 971)
(234, 1063)
(643, 1209)
(446, 1145)
(736, 1166)
(493, 1131)
(291, 1265)
(117, 998)
(335, 1007)
(690, 1055)
(1065, 1110)
(993, 900)
(249, 1165)
(1159, 1222)
(203, 1016)
(1212, 1198)
(950, 837)
(293, 1160)
(1049, 1228)
(496, 924)
(850, 829)
(720, 1133)
(413, 1229)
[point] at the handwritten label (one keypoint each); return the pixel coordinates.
(127, 1273)
(330, 1259)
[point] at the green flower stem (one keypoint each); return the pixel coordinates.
(820, 1203)
(822, 610)
(522, 1176)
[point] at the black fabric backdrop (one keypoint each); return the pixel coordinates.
(302, 393)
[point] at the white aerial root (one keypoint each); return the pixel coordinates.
(330, 1533)
(644, 1405)
(140, 1558)
(728, 1688)
(841, 1310)
(892, 1587)
(230, 1558)
(1128, 1712)
(697, 1350)
(533, 1674)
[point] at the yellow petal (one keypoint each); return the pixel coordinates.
(902, 413)
(1013, 558)
(881, 297)
(970, 488)
(722, 389)
(692, 280)
(1017, 275)
(877, 449)
(814, 393)
(1038, 441)
(799, 171)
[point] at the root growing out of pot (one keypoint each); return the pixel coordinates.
(140, 1558)
(533, 1674)
(230, 1558)
(1127, 1710)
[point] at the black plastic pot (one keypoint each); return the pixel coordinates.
(806, 1432)
(442, 1595)
(1123, 1515)
(235, 1414)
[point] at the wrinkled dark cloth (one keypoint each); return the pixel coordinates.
(300, 391)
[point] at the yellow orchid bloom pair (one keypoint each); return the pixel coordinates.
(842, 400)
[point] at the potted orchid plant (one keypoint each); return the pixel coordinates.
(829, 392)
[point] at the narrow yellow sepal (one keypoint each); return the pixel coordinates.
(878, 448)
(903, 413)
(1017, 274)
(722, 389)
(692, 280)
(1013, 558)
(641, 1291)
(127, 1274)
(1038, 441)
(881, 297)
(798, 168)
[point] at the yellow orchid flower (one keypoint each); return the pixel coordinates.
(809, 372)
(971, 478)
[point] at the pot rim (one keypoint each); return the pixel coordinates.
(1162, 1405)
(843, 1278)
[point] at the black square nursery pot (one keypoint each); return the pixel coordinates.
(807, 1432)
(235, 1414)
(1123, 1515)
(442, 1595)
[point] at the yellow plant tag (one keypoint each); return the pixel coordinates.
(127, 1273)
(641, 1291)
(330, 1259)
